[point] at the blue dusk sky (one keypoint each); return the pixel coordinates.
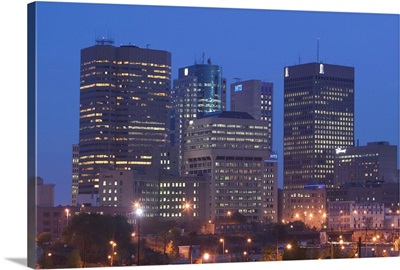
(247, 43)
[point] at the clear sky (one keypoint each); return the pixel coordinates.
(247, 43)
(383, 100)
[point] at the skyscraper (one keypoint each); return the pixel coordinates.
(255, 98)
(199, 90)
(318, 118)
(124, 94)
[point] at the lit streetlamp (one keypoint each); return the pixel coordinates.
(248, 246)
(139, 212)
(67, 214)
(206, 256)
(223, 247)
(187, 207)
(113, 244)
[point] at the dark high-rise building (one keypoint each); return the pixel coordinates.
(255, 98)
(124, 95)
(199, 90)
(318, 118)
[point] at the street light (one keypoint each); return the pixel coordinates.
(206, 256)
(67, 213)
(113, 244)
(248, 245)
(187, 208)
(223, 248)
(139, 213)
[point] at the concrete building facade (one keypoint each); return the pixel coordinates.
(254, 97)
(44, 193)
(231, 148)
(307, 205)
(371, 164)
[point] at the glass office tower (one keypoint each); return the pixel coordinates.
(199, 90)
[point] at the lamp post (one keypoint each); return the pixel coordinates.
(187, 207)
(222, 240)
(67, 214)
(139, 213)
(113, 244)
(248, 247)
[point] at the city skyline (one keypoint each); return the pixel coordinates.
(14, 53)
(267, 50)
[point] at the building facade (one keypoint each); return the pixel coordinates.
(184, 198)
(199, 90)
(307, 205)
(231, 148)
(318, 118)
(349, 215)
(44, 193)
(254, 97)
(371, 164)
(124, 94)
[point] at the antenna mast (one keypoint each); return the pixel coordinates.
(317, 50)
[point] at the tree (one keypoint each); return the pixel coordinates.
(368, 225)
(44, 239)
(294, 252)
(238, 217)
(269, 253)
(74, 259)
(91, 235)
(46, 261)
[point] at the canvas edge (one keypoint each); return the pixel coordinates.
(31, 130)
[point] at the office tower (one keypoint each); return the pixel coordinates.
(255, 98)
(371, 164)
(318, 118)
(231, 150)
(124, 94)
(198, 91)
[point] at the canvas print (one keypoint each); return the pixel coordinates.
(167, 135)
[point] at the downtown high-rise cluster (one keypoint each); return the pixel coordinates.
(179, 151)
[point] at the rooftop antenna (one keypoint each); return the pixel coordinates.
(147, 46)
(202, 59)
(237, 79)
(317, 50)
(104, 39)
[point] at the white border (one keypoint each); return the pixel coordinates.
(13, 18)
